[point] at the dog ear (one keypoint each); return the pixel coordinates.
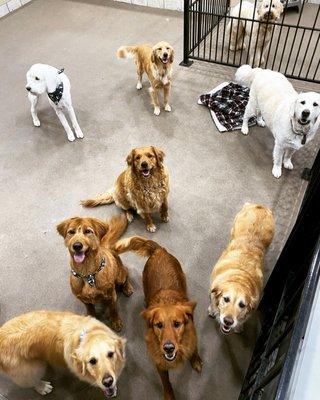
(121, 347)
(52, 80)
(78, 363)
(153, 56)
(171, 55)
(100, 227)
(188, 309)
(148, 315)
(62, 228)
(159, 154)
(130, 157)
(216, 293)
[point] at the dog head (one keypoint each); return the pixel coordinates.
(82, 236)
(163, 53)
(99, 360)
(231, 305)
(167, 325)
(42, 78)
(307, 108)
(269, 10)
(145, 161)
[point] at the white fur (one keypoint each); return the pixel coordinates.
(273, 98)
(43, 78)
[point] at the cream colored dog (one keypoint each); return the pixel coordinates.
(266, 11)
(92, 351)
(237, 277)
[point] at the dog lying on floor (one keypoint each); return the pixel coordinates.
(170, 336)
(156, 62)
(43, 78)
(266, 11)
(91, 351)
(237, 277)
(143, 187)
(96, 269)
(292, 117)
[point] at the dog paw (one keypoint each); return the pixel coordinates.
(165, 218)
(288, 164)
(245, 130)
(71, 138)
(260, 122)
(128, 289)
(129, 216)
(167, 107)
(197, 364)
(43, 388)
(36, 122)
(139, 85)
(79, 134)
(156, 111)
(276, 171)
(151, 228)
(117, 325)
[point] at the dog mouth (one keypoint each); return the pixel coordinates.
(145, 172)
(170, 356)
(165, 59)
(269, 17)
(225, 329)
(110, 392)
(79, 257)
(303, 121)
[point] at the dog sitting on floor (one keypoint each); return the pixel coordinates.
(96, 269)
(143, 187)
(43, 78)
(170, 332)
(237, 277)
(91, 351)
(156, 62)
(292, 117)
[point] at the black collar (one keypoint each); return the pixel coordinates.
(55, 96)
(91, 278)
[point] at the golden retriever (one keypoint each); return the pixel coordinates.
(91, 351)
(237, 277)
(170, 335)
(156, 62)
(96, 269)
(143, 187)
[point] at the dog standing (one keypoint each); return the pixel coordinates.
(92, 351)
(156, 62)
(266, 11)
(292, 118)
(170, 336)
(143, 187)
(237, 277)
(96, 269)
(43, 78)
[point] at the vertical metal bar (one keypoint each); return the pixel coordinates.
(265, 33)
(251, 30)
(186, 33)
(199, 21)
(315, 72)
(279, 37)
(314, 52)
(239, 22)
(298, 52)
(224, 29)
(217, 25)
(284, 48)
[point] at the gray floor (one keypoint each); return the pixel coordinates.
(44, 177)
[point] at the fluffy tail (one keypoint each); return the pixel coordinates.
(245, 75)
(139, 245)
(117, 226)
(126, 51)
(105, 198)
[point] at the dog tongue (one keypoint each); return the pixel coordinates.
(78, 258)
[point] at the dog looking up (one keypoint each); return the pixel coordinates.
(91, 351)
(96, 269)
(143, 187)
(156, 62)
(170, 332)
(237, 277)
(43, 78)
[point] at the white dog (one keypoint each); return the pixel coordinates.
(43, 78)
(265, 11)
(292, 118)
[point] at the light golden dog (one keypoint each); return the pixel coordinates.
(96, 269)
(143, 187)
(91, 351)
(156, 62)
(237, 277)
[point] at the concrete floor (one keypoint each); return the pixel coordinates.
(44, 177)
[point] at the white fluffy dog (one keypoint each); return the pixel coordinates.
(292, 117)
(265, 11)
(42, 78)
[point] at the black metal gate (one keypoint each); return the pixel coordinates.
(291, 44)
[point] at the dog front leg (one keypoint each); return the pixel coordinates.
(277, 160)
(74, 122)
(149, 222)
(167, 388)
(65, 124)
(166, 94)
(34, 101)
(248, 113)
(164, 211)
(287, 163)
(196, 362)
(90, 309)
(116, 321)
(155, 100)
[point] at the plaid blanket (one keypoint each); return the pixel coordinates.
(227, 103)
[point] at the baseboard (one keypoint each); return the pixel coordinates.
(167, 4)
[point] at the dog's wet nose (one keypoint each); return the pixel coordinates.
(77, 246)
(107, 381)
(168, 347)
(28, 88)
(228, 321)
(305, 113)
(144, 164)
(165, 55)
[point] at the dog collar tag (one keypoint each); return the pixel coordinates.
(91, 280)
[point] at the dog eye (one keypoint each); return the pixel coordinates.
(138, 157)
(37, 79)
(93, 361)
(241, 304)
(315, 104)
(88, 231)
(159, 325)
(226, 299)
(149, 155)
(71, 232)
(177, 324)
(302, 102)
(110, 354)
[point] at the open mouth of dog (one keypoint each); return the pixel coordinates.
(110, 392)
(303, 121)
(165, 59)
(80, 256)
(146, 172)
(170, 356)
(225, 329)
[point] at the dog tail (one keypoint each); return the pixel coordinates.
(245, 75)
(117, 227)
(126, 51)
(105, 198)
(139, 245)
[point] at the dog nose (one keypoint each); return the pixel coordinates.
(28, 88)
(165, 55)
(144, 164)
(107, 381)
(77, 246)
(168, 347)
(228, 321)
(305, 113)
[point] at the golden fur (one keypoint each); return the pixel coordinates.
(169, 313)
(91, 350)
(237, 277)
(97, 238)
(142, 187)
(156, 62)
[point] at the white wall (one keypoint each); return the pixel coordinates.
(169, 4)
(7, 6)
